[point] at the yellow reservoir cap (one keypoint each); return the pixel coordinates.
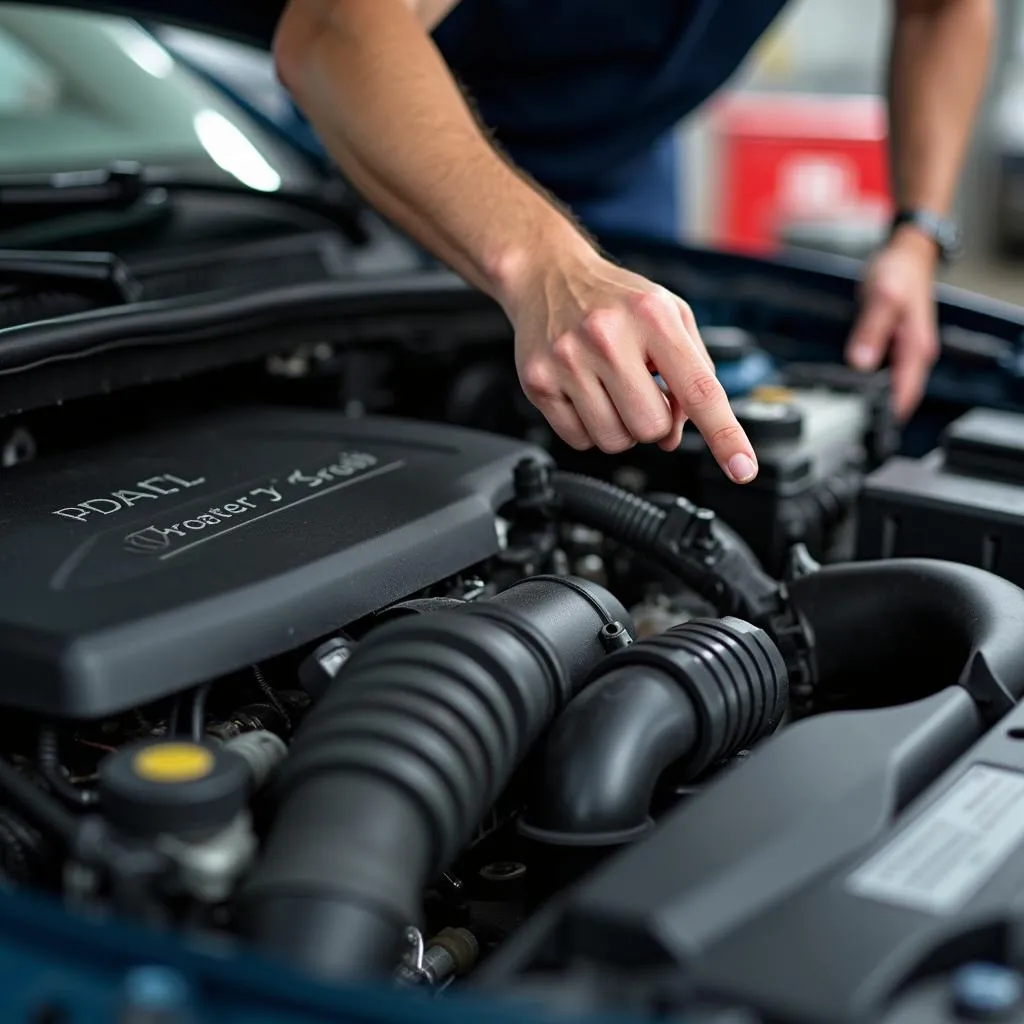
(173, 762)
(773, 393)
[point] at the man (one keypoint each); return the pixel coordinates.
(581, 94)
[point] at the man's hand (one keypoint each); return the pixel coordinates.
(589, 335)
(897, 316)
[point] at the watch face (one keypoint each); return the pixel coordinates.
(950, 241)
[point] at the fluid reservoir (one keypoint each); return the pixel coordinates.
(741, 364)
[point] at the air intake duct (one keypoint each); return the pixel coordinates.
(689, 698)
(400, 760)
(900, 630)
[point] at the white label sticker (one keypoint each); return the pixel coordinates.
(953, 848)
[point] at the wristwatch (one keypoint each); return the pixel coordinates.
(942, 231)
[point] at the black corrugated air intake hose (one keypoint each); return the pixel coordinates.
(686, 540)
(690, 697)
(885, 632)
(401, 758)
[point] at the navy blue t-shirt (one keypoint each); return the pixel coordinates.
(576, 91)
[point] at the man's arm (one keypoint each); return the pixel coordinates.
(588, 334)
(368, 79)
(938, 70)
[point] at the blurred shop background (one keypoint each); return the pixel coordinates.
(792, 153)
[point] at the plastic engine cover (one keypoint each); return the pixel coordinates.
(138, 568)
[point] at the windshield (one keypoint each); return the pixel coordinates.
(79, 90)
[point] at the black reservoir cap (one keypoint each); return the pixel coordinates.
(173, 786)
(770, 414)
(726, 344)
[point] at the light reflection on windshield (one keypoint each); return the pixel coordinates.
(231, 151)
(141, 47)
(80, 90)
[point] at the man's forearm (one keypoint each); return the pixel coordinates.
(938, 71)
(368, 77)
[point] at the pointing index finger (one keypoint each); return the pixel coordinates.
(683, 367)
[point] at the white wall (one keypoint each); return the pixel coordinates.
(824, 45)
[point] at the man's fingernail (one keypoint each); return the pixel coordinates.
(742, 468)
(862, 357)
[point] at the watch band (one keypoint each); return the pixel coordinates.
(942, 231)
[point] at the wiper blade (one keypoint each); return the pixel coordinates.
(30, 196)
(27, 198)
(100, 276)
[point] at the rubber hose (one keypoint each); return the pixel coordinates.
(20, 856)
(625, 516)
(396, 765)
(53, 772)
(734, 583)
(690, 697)
(907, 628)
(36, 804)
(199, 711)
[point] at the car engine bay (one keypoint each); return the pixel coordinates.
(317, 644)
(400, 700)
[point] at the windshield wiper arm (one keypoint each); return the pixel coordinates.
(26, 198)
(98, 275)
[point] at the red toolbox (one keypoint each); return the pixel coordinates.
(784, 160)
